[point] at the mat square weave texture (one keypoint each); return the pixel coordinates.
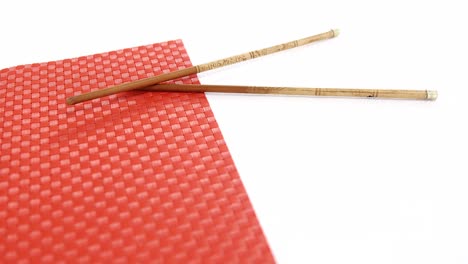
(134, 177)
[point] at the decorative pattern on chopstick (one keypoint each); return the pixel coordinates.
(335, 92)
(199, 68)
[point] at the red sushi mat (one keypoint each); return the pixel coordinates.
(134, 177)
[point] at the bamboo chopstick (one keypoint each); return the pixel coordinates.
(377, 93)
(199, 68)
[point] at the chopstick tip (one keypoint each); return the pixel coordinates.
(336, 32)
(70, 101)
(431, 95)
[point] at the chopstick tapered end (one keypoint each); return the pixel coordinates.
(71, 101)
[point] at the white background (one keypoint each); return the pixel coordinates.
(331, 180)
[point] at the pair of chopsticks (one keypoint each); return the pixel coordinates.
(152, 83)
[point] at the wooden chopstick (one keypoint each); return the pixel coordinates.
(377, 93)
(199, 68)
